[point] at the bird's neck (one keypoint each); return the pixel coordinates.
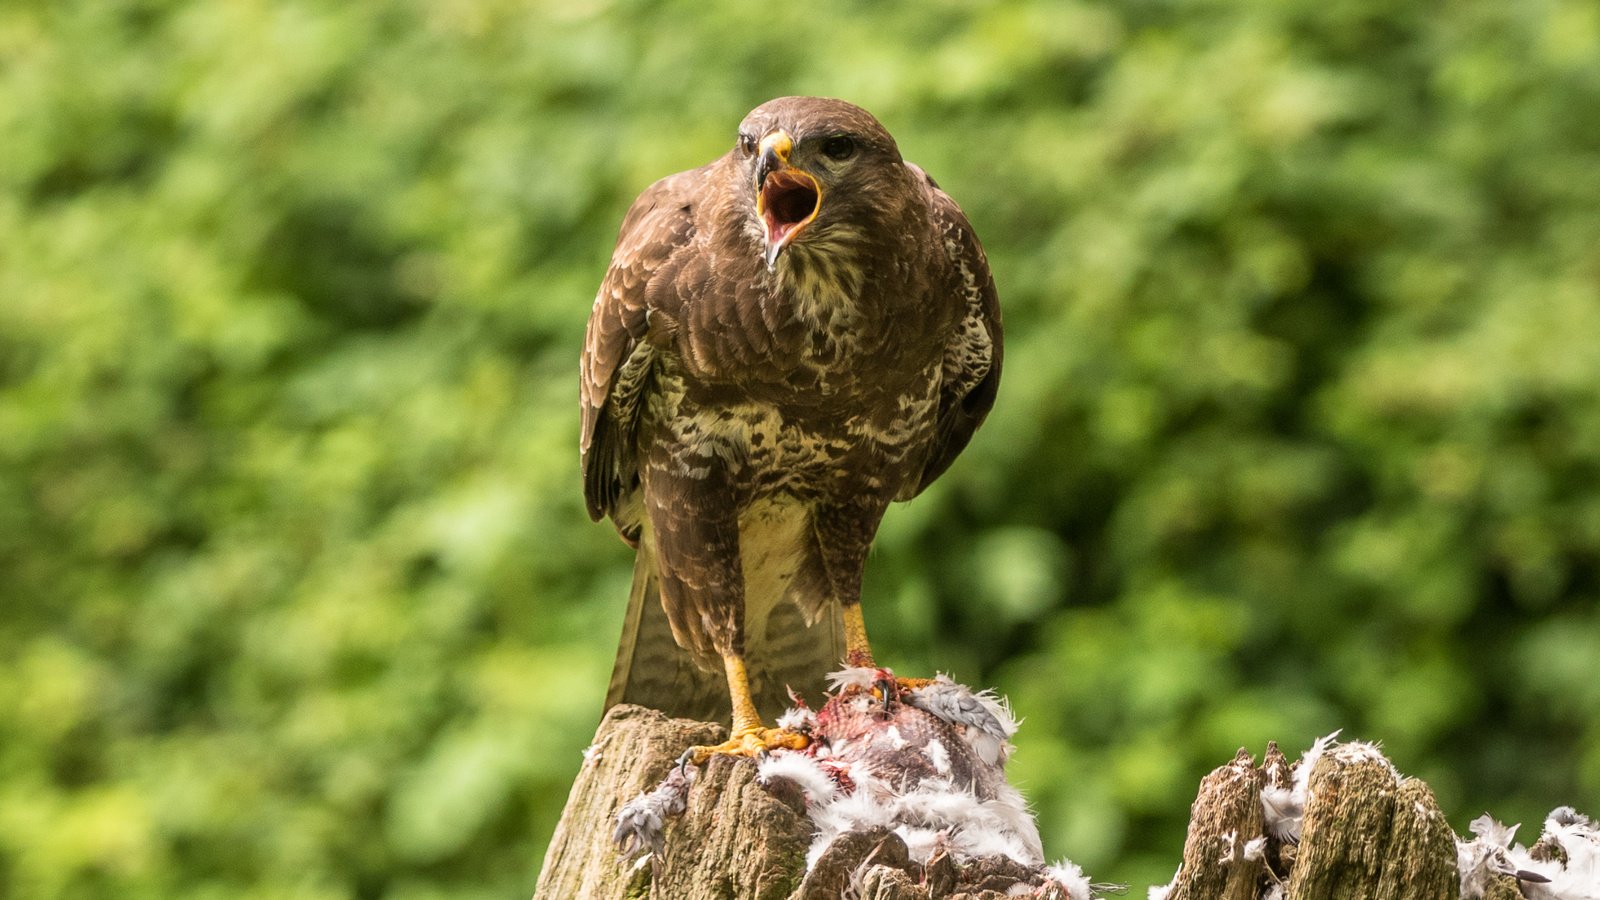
(821, 283)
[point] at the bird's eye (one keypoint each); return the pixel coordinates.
(747, 145)
(839, 147)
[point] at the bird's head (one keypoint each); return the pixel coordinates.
(819, 171)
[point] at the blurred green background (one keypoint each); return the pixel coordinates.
(1300, 427)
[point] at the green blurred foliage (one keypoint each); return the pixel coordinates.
(1300, 427)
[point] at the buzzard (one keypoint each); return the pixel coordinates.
(788, 338)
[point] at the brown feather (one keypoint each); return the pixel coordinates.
(747, 426)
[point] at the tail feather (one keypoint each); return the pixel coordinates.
(794, 655)
(652, 670)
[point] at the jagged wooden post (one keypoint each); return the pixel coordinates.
(734, 840)
(1364, 833)
(1214, 863)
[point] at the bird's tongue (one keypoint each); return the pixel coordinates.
(788, 200)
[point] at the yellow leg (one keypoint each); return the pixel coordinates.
(857, 652)
(750, 737)
(745, 717)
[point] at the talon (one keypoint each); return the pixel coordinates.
(883, 688)
(752, 743)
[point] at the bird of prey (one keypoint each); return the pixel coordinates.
(788, 339)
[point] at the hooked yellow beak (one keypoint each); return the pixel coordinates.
(774, 153)
(787, 198)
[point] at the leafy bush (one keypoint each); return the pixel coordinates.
(1300, 427)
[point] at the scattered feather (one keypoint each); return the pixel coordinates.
(1069, 876)
(1563, 865)
(798, 719)
(1280, 812)
(641, 823)
(860, 677)
(1229, 841)
(816, 785)
(927, 764)
(1567, 854)
(1284, 808)
(983, 719)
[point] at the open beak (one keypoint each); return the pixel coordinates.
(787, 198)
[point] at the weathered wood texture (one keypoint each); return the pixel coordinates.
(1370, 834)
(734, 840)
(1366, 834)
(1226, 814)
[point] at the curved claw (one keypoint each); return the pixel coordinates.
(891, 688)
(886, 689)
(751, 743)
